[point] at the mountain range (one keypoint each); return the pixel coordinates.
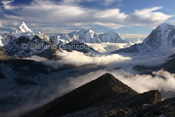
(23, 78)
(83, 35)
(13, 42)
(89, 36)
(160, 39)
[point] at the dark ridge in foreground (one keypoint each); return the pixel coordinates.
(123, 107)
(106, 97)
(104, 88)
(165, 108)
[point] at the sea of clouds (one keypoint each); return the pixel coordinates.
(159, 80)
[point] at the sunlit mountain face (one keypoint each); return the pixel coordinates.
(87, 58)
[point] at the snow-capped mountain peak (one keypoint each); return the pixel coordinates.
(165, 26)
(22, 30)
(111, 37)
(87, 32)
(161, 39)
(84, 36)
(111, 32)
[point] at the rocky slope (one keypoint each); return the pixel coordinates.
(105, 97)
(123, 107)
(4, 55)
(95, 92)
(164, 108)
(24, 47)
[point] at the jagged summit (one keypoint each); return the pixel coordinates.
(98, 91)
(22, 30)
(86, 35)
(106, 78)
(113, 33)
(109, 81)
(111, 37)
(87, 32)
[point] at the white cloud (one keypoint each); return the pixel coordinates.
(48, 8)
(76, 1)
(111, 14)
(105, 2)
(109, 2)
(8, 24)
(107, 48)
(161, 80)
(1, 25)
(110, 25)
(6, 4)
(148, 17)
(54, 16)
(70, 58)
(134, 36)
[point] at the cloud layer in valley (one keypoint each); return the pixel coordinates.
(162, 81)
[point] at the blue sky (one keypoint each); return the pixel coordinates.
(131, 18)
